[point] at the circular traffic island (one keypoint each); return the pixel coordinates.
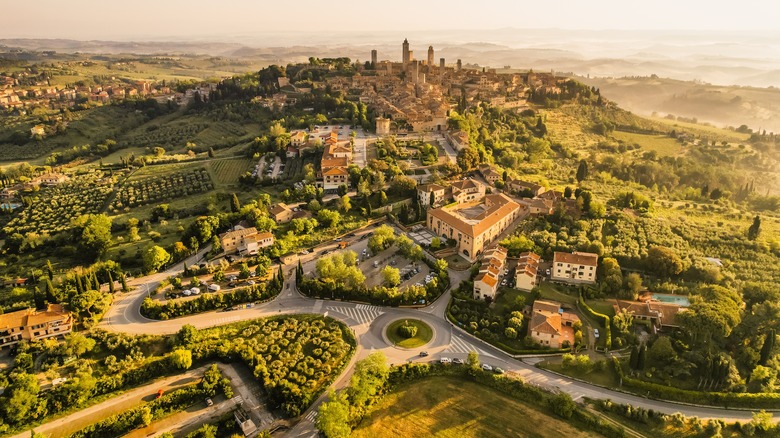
(409, 333)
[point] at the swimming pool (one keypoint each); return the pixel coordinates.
(673, 299)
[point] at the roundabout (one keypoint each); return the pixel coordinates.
(409, 333)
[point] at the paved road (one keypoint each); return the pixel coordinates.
(368, 323)
(66, 425)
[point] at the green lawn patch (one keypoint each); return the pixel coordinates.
(663, 145)
(453, 407)
(423, 333)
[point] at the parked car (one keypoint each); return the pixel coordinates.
(304, 252)
(445, 360)
(186, 292)
(498, 370)
(209, 402)
(214, 287)
(338, 239)
(351, 235)
(457, 361)
(195, 290)
(423, 353)
(229, 258)
(487, 367)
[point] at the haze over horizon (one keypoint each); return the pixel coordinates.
(175, 19)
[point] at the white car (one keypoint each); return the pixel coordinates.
(487, 367)
(445, 360)
(195, 290)
(186, 292)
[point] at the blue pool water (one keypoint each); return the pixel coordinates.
(674, 299)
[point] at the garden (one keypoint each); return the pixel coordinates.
(294, 358)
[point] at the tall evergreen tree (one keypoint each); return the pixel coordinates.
(235, 206)
(582, 171)
(123, 280)
(755, 230)
(49, 270)
(110, 282)
(766, 349)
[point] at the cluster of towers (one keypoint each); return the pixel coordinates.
(411, 66)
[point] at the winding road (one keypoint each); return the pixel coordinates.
(368, 323)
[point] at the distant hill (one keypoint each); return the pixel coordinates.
(759, 108)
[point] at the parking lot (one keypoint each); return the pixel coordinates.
(411, 273)
(421, 235)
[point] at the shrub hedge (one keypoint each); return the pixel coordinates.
(206, 302)
(605, 321)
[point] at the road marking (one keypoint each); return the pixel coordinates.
(458, 345)
(311, 415)
(363, 315)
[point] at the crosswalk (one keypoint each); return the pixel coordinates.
(362, 313)
(458, 345)
(311, 415)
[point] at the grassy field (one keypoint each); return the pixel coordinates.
(423, 336)
(451, 407)
(226, 172)
(663, 145)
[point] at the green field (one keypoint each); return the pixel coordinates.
(423, 336)
(663, 145)
(451, 407)
(227, 171)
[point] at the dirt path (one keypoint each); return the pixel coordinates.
(64, 426)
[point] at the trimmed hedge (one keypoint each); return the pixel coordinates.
(746, 400)
(605, 321)
(207, 302)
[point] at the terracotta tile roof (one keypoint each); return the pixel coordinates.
(263, 236)
(279, 208)
(239, 233)
(332, 171)
(665, 313)
(54, 312)
(546, 306)
(576, 258)
(14, 319)
(466, 184)
(428, 188)
(334, 162)
(548, 323)
(500, 206)
(487, 278)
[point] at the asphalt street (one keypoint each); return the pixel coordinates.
(368, 323)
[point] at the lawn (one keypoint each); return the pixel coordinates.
(663, 145)
(451, 407)
(423, 336)
(551, 291)
(604, 377)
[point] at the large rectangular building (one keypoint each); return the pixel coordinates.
(475, 225)
(575, 268)
(33, 325)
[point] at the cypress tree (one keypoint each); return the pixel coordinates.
(766, 349)
(634, 357)
(49, 270)
(641, 357)
(79, 284)
(124, 282)
(110, 282)
(50, 297)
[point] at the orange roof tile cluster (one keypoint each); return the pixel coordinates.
(239, 233)
(664, 313)
(576, 258)
(497, 208)
(528, 264)
(547, 317)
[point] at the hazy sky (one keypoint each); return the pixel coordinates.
(205, 19)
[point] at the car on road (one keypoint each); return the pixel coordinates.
(159, 393)
(457, 361)
(251, 282)
(487, 367)
(229, 258)
(445, 360)
(596, 333)
(338, 239)
(498, 370)
(195, 290)
(304, 252)
(209, 402)
(351, 235)
(423, 353)
(186, 292)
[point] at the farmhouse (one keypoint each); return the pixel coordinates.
(526, 271)
(34, 325)
(243, 240)
(575, 268)
(538, 206)
(427, 191)
(281, 213)
(467, 190)
(518, 186)
(550, 325)
(489, 173)
(661, 315)
(474, 225)
(50, 179)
